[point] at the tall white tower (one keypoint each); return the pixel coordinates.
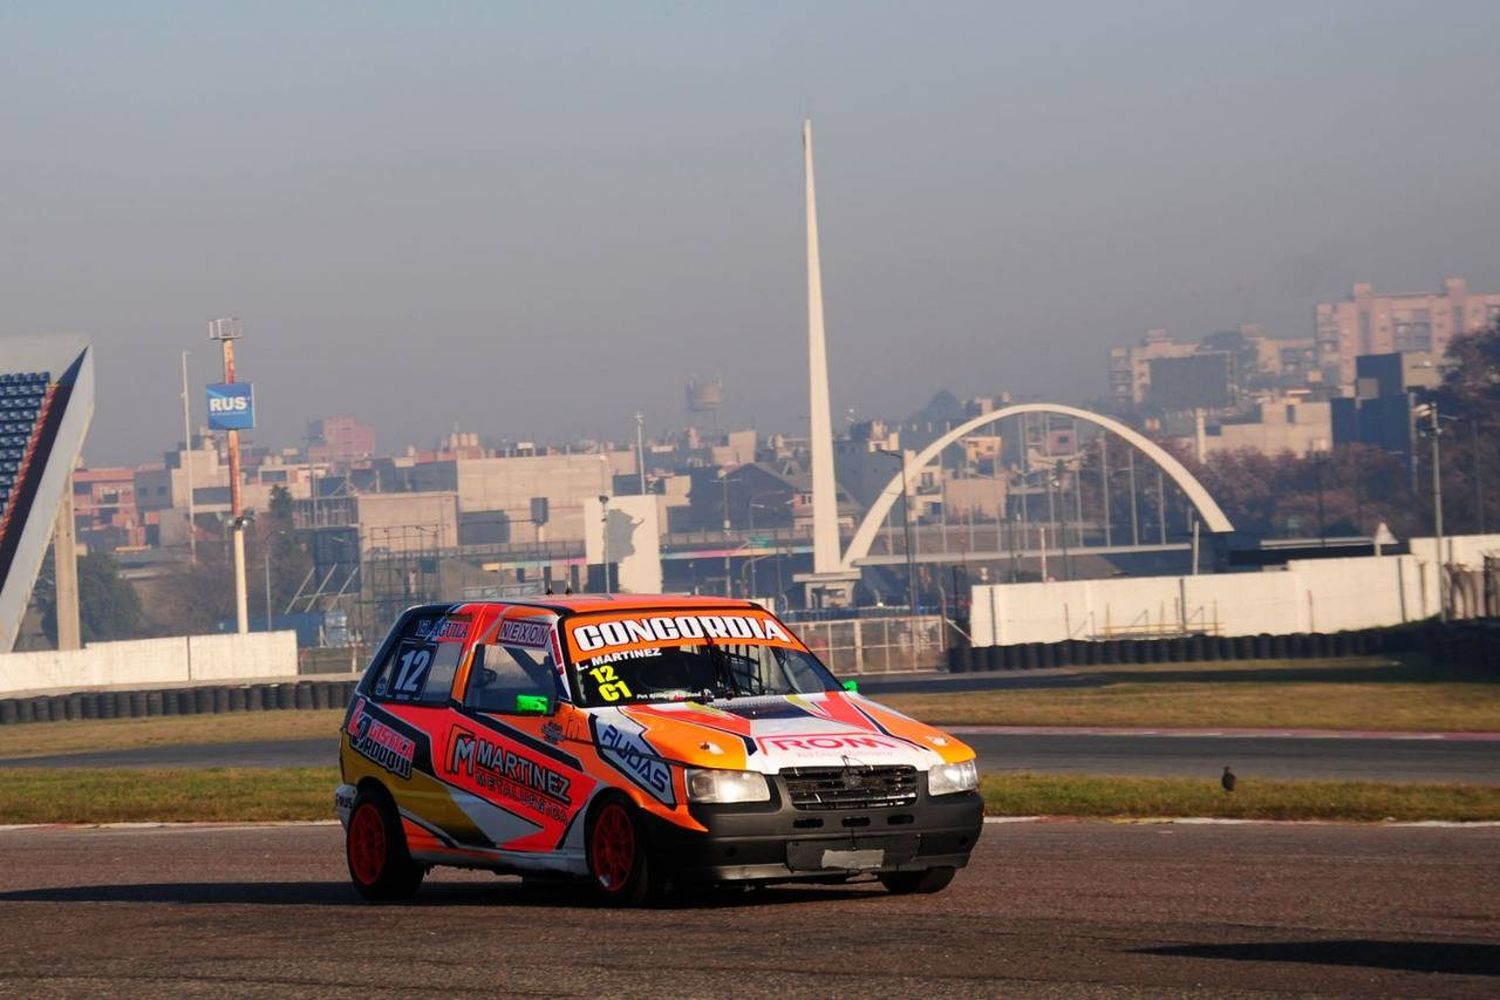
(826, 584)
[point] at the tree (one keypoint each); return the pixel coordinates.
(1468, 400)
(108, 605)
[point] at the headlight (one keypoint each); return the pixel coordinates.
(727, 786)
(945, 779)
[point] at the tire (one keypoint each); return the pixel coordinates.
(918, 883)
(619, 862)
(380, 866)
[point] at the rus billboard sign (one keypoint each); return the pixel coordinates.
(231, 406)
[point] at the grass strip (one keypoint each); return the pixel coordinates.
(45, 739)
(1357, 693)
(241, 795)
(246, 795)
(1106, 797)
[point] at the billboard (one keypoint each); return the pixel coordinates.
(231, 406)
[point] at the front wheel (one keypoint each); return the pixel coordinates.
(930, 880)
(379, 863)
(619, 867)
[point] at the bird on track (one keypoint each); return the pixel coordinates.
(1228, 780)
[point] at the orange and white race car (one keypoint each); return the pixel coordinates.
(637, 742)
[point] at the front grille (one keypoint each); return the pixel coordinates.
(853, 787)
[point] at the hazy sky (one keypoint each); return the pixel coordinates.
(534, 220)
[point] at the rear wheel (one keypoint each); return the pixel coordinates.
(618, 864)
(379, 863)
(930, 880)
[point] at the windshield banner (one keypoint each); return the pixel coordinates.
(590, 637)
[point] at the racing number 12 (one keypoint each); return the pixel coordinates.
(414, 663)
(611, 688)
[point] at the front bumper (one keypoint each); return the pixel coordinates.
(775, 841)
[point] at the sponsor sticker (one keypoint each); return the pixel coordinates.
(623, 745)
(525, 632)
(373, 739)
(449, 628)
(509, 774)
(821, 742)
(658, 629)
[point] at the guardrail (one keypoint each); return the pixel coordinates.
(1473, 643)
(202, 700)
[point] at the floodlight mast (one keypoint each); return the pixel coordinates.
(226, 331)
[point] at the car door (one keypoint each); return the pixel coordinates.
(507, 746)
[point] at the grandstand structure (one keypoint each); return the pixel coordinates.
(46, 403)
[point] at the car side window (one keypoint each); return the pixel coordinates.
(500, 673)
(419, 669)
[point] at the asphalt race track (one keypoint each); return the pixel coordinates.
(1352, 758)
(1046, 909)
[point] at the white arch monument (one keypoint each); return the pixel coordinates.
(1213, 517)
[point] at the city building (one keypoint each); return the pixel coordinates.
(104, 510)
(1380, 411)
(339, 441)
(1216, 373)
(1371, 323)
(1273, 425)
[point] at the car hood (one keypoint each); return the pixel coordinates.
(766, 734)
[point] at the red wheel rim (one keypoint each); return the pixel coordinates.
(366, 844)
(613, 847)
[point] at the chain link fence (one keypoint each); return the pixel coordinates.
(853, 646)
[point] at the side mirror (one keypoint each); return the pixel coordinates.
(852, 686)
(533, 704)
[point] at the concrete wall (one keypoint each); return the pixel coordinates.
(176, 660)
(1326, 595)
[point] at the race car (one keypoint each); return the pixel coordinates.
(638, 743)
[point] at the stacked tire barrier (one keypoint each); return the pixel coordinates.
(206, 700)
(1468, 643)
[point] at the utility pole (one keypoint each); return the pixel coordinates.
(187, 465)
(1437, 511)
(1104, 484)
(1135, 517)
(1478, 475)
(640, 449)
(226, 332)
(728, 580)
(1161, 506)
(268, 583)
(911, 561)
(604, 541)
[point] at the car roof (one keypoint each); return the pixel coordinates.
(586, 603)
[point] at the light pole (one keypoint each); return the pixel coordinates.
(754, 503)
(640, 448)
(728, 579)
(187, 444)
(911, 566)
(604, 537)
(1430, 410)
(267, 543)
(268, 584)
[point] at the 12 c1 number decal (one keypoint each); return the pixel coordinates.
(610, 687)
(412, 663)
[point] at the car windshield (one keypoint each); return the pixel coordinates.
(707, 670)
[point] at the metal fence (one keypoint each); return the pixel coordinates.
(854, 646)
